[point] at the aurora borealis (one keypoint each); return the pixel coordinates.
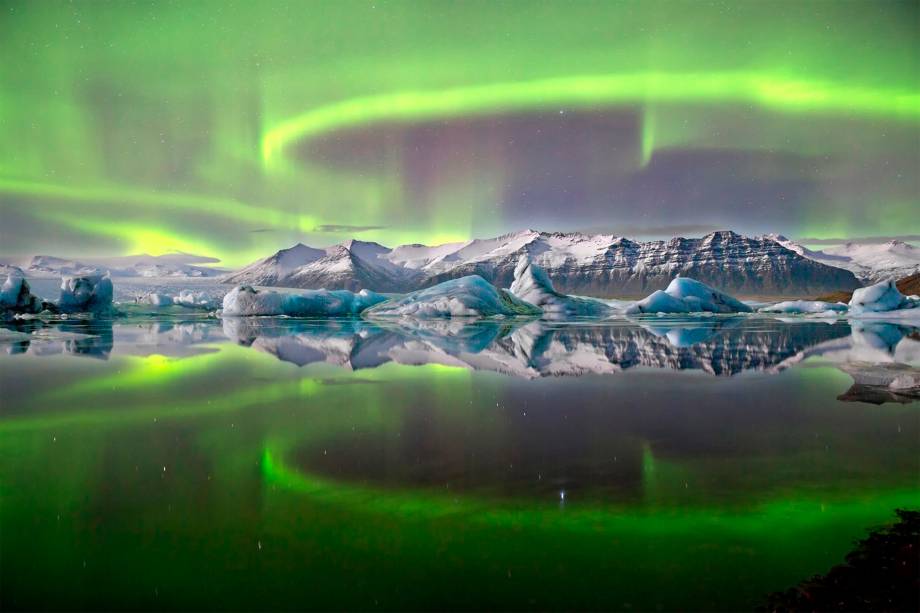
(233, 129)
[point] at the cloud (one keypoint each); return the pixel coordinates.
(339, 228)
(866, 240)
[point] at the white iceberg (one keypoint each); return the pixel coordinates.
(881, 298)
(86, 293)
(685, 295)
(531, 284)
(470, 296)
(185, 298)
(16, 295)
(243, 301)
(794, 307)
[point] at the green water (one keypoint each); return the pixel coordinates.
(166, 465)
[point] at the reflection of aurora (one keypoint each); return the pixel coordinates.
(216, 451)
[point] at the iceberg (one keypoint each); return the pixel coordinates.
(16, 296)
(685, 295)
(881, 298)
(470, 296)
(185, 298)
(531, 284)
(245, 301)
(90, 293)
(794, 307)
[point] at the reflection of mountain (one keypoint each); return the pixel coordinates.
(538, 349)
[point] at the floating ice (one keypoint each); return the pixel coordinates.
(685, 295)
(470, 296)
(881, 297)
(245, 301)
(16, 295)
(793, 307)
(185, 298)
(532, 285)
(86, 293)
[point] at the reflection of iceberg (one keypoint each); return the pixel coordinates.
(92, 338)
(535, 349)
(880, 383)
(350, 343)
(882, 358)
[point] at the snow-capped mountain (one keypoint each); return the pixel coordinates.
(596, 265)
(870, 262)
(170, 265)
(352, 265)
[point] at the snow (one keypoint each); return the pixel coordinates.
(86, 293)
(805, 306)
(685, 295)
(531, 284)
(868, 261)
(881, 297)
(470, 296)
(243, 301)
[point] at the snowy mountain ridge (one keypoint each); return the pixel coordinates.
(143, 265)
(870, 262)
(576, 263)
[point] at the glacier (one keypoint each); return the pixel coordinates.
(90, 293)
(881, 297)
(685, 295)
(797, 307)
(470, 296)
(16, 295)
(244, 301)
(531, 284)
(185, 298)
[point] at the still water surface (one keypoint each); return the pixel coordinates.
(184, 462)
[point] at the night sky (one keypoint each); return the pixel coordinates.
(235, 128)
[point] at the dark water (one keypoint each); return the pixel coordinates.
(272, 463)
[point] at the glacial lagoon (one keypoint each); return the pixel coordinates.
(179, 460)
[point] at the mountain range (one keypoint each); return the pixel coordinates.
(597, 265)
(577, 263)
(142, 265)
(870, 262)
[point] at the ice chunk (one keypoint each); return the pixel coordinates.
(245, 301)
(159, 300)
(197, 300)
(16, 295)
(685, 295)
(805, 306)
(532, 285)
(185, 298)
(470, 296)
(658, 302)
(86, 293)
(881, 297)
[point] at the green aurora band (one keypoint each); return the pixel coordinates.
(165, 127)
